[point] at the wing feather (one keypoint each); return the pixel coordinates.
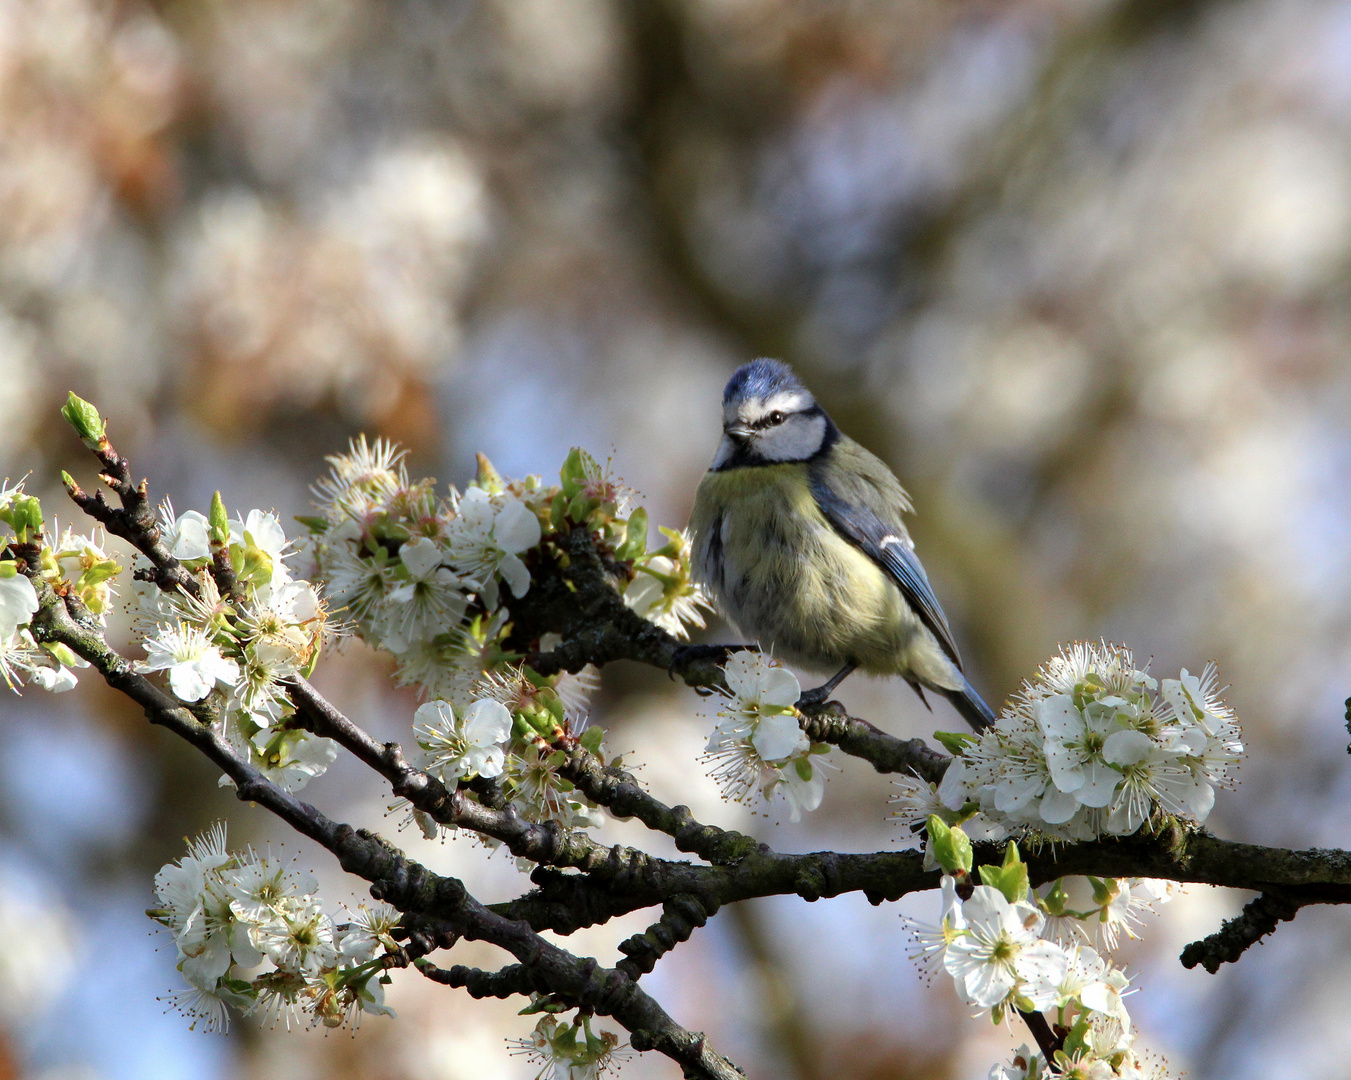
(887, 544)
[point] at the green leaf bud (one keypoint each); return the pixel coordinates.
(218, 520)
(85, 419)
(488, 478)
(951, 846)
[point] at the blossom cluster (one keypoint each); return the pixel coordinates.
(233, 912)
(1008, 948)
(758, 749)
(569, 1051)
(510, 735)
(1094, 746)
(431, 578)
(77, 565)
(245, 646)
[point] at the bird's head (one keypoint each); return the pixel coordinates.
(769, 416)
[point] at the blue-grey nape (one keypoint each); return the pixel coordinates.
(760, 379)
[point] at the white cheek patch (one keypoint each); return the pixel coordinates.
(796, 439)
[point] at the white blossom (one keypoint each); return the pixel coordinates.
(291, 759)
(1000, 951)
(187, 536)
(194, 664)
(300, 939)
(50, 667)
(426, 601)
(571, 1051)
(662, 592)
(539, 792)
(1093, 746)
(356, 584)
(258, 888)
(487, 538)
(915, 800)
(464, 744)
(260, 532)
(758, 747)
(231, 914)
(368, 931)
(18, 603)
(933, 939)
(368, 474)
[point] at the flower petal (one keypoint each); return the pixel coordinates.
(487, 722)
(778, 737)
(1126, 747)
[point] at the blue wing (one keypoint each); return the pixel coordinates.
(886, 544)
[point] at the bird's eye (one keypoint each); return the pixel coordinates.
(774, 418)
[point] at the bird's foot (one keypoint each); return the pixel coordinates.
(815, 697)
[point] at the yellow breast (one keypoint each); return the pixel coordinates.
(785, 576)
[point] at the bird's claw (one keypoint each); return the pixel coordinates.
(814, 698)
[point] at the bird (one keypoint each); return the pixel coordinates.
(798, 536)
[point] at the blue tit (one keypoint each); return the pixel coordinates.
(798, 536)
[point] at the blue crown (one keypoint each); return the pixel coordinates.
(760, 379)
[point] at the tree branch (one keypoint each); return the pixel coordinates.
(393, 877)
(1259, 917)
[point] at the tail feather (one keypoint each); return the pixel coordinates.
(971, 706)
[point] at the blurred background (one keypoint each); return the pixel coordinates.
(1080, 270)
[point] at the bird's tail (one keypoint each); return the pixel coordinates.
(971, 705)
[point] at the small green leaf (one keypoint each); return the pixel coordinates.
(592, 738)
(1057, 898)
(24, 515)
(62, 652)
(573, 472)
(1076, 1042)
(954, 742)
(1010, 878)
(579, 509)
(635, 536)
